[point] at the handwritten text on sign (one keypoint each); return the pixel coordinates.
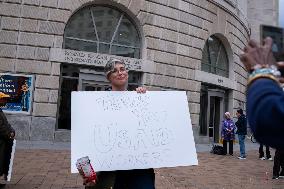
(126, 130)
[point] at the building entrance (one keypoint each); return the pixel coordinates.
(212, 108)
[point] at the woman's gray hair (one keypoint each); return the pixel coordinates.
(109, 67)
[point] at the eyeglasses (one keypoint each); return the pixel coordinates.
(120, 69)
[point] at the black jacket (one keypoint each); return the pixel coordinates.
(242, 125)
(5, 143)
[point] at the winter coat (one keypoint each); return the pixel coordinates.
(242, 125)
(228, 129)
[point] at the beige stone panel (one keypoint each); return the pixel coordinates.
(47, 82)
(195, 53)
(182, 84)
(31, 2)
(193, 96)
(150, 54)
(188, 62)
(49, 3)
(148, 79)
(152, 42)
(58, 42)
(10, 23)
(160, 68)
(183, 28)
(152, 31)
(174, 3)
(8, 9)
(44, 109)
(53, 96)
(146, 18)
(211, 7)
(26, 52)
(29, 25)
(171, 82)
(13, 1)
(171, 70)
(171, 47)
(35, 39)
(34, 12)
(184, 17)
(42, 53)
(185, 39)
(172, 24)
(59, 15)
(194, 31)
(182, 72)
(69, 4)
(8, 50)
(183, 5)
(198, 43)
(135, 6)
(124, 2)
(191, 74)
(165, 57)
(10, 37)
(31, 66)
(160, 21)
(163, 2)
(7, 64)
(41, 95)
(194, 119)
(169, 35)
(51, 27)
(194, 108)
(182, 50)
(55, 68)
(159, 80)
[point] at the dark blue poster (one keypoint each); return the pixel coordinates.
(19, 88)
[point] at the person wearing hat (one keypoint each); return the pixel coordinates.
(7, 134)
(117, 75)
(228, 133)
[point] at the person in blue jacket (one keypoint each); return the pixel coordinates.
(265, 96)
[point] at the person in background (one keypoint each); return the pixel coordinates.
(261, 153)
(7, 134)
(241, 125)
(265, 97)
(278, 162)
(117, 74)
(228, 133)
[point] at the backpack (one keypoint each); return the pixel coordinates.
(216, 149)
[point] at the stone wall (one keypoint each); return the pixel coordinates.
(174, 34)
(262, 12)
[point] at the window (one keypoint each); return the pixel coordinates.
(215, 58)
(102, 29)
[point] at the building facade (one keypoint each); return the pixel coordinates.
(50, 48)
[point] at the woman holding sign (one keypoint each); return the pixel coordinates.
(117, 74)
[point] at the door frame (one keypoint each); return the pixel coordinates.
(221, 94)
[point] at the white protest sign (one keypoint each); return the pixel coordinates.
(127, 130)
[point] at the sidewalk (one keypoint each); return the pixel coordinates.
(50, 168)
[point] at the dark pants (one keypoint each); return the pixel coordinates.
(230, 147)
(261, 152)
(135, 179)
(278, 162)
(5, 155)
(128, 179)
